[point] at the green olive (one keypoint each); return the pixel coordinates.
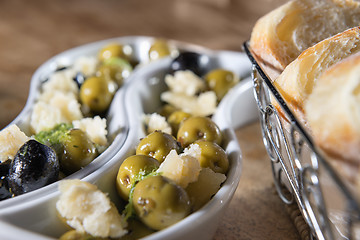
(220, 81)
(75, 235)
(157, 145)
(166, 110)
(176, 118)
(97, 93)
(119, 65)
(198, 128)
(111, 73)
(129, 170)
(159, 49)
(115, 50)
(159, 202)
(78, 151)
(136, 230)
(213, 157)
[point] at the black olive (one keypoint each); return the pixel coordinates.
(4, 168)
(4, 189)
(35, 165)
(189, 61)
(79, 79)
(4, 186)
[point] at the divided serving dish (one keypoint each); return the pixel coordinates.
(34, 214)
(116, 123)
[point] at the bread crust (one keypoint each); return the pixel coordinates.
(281, 35)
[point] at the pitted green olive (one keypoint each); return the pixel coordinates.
(213, 157)
(176, 118)
(159, 49)
(159, 202)
(129, 170)
(97, 93)
(158, 145)
(220, 81)
(114, 50)
(198, 128)
(78, 151)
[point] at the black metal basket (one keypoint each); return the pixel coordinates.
(325, 201)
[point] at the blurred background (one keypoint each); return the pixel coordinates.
(33, 31)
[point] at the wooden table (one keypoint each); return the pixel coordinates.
(33, 31)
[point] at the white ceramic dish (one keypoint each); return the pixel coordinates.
(37, 219)
(117, 126)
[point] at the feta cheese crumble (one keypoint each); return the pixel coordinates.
(11, 139)
(60, 108)
(95, 128)
(182, 169)
(87, 209)
(202, 105)
(156, 122)
(185, 82)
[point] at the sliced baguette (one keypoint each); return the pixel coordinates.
(333, 110)
(296, 82)
(281, 35)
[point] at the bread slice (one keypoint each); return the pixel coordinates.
(297, 81)
(281, 35)
(333, 110)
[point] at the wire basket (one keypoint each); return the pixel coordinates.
(325, 201)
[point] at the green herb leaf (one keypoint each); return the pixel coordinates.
(53, 137)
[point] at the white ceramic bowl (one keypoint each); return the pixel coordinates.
(116, 122)
(37, 219)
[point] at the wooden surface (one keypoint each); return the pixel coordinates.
(33, 31)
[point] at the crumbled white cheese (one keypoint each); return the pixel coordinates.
(44, 117)
(185, 82)
(85, 65)
(202, 105)
(11, 139)
(193, 150)
(60, 108)
(49, 95)
(95, 128)
(156, 122)
(61, 81)
(182, 169)
(87, 209)
(68, 105)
